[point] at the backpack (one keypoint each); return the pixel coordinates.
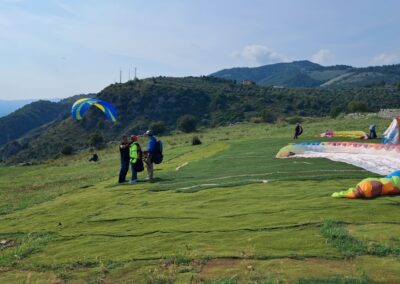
(157, 155)
(138, 166)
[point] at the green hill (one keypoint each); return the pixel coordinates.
(30, 116)
(212, 101)
(305, 74)
(9, 106)
(366, 77)
(230, 213)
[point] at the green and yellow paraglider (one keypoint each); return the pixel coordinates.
(373, 187)
(80, 107)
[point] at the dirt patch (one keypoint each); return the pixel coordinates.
(219, 264)
(7, 243)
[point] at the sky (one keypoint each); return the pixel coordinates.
(60, 48)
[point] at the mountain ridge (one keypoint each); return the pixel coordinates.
(139, 103)
(9, 106)
(306, 74)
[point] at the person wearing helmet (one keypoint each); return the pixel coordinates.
(135, 154)
(149, 152)
(124, 153)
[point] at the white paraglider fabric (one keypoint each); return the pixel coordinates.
(377, 158)
(372, 163)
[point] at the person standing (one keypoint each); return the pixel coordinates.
(372, 131)
(298, 130)
(149, 154)
(135, 154)
(124, 153)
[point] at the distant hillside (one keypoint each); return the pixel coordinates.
(8, 106)
(366, 77)
(32, 117)
(27, 118)
(139, 103)
(306, 74)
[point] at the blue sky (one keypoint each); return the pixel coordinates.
(59, 48)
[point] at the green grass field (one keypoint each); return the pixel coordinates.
(222, 212)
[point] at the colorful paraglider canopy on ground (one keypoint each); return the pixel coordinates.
(80, 107)
(345, 134)
(394, 174)
(377, 158)
(373, 187)
(391, 135)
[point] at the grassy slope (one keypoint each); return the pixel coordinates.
(232, 213)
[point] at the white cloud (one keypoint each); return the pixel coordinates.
(259, 54)
(323, 56)
(386, 59)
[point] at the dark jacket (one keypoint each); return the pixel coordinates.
(124, 151)
(298, 129)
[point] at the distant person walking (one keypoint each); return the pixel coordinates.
(135, 154)
(298, 130)
(372, 131)
(125, 159)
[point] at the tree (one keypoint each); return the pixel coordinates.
(219, 102)
(269, 116)
(196, 141)
(187, 123)
(158, 127)
(67, 150)
(335, 111)
(96, 140)
(357, 106)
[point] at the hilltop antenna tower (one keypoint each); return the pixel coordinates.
(120, 75)
(135, 74)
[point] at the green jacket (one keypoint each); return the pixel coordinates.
(134, 152)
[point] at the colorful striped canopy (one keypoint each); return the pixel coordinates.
(80, 107)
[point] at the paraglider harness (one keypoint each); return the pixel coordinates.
(157, 154)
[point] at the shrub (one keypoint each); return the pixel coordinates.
(158, 127)
(269, 116)
(335, 111)
(96, 140)
(295, 119)
(357, 106)
(196, 140)
(67, 150)
(256, 119)
(187, 123)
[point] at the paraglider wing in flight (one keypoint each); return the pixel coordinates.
(80, 107)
